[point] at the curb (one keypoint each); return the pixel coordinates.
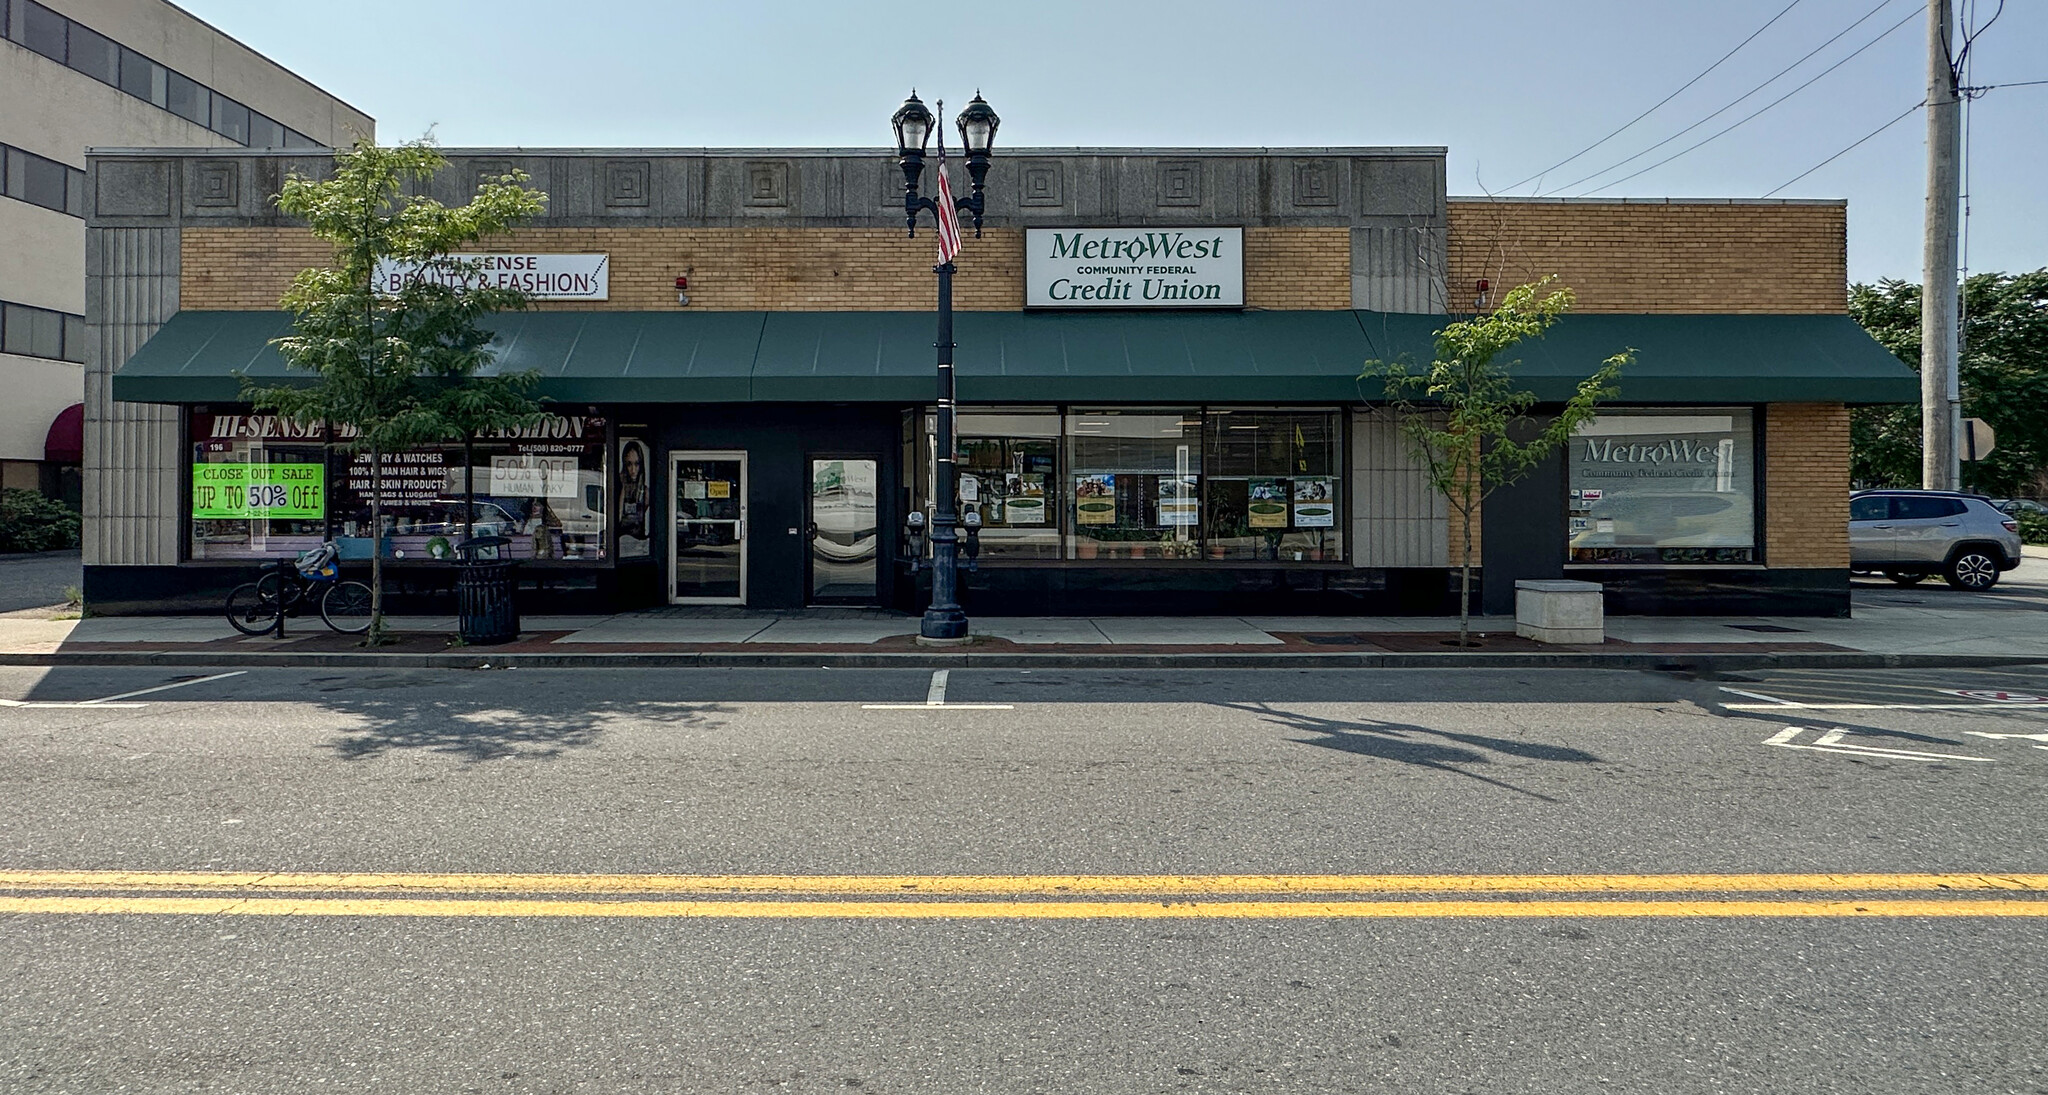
(1714, 662)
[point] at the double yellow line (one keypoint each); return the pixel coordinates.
(1056, 897)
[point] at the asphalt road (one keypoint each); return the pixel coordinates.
(685, 773)
(37, 579)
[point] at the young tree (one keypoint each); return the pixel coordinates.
(2003, 373)
(397, 365)
(1462, 414)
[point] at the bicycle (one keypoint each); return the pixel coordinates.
(259, 607)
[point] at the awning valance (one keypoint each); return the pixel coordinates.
(1067, 357)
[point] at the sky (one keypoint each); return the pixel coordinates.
(1512, 88)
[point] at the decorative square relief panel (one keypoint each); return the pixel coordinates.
(1041, 183)
(768, 183)
(483, 171)
(626, 182)
(216, 184)
(1180, 183)
(1315, 182)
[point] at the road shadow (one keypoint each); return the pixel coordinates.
(475, 733)
(1421, 746)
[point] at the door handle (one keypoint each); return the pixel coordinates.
(811, 532)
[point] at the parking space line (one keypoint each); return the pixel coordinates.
(936, 695)
(168, 687)
(1830, 741)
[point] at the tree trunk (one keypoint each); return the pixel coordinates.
(1465, 586)
(376, 635)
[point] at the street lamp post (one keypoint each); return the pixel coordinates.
(945, 620)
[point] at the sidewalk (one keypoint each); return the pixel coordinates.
(1928, 625)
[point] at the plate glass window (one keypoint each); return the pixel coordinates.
(230, 119)
(1663, 486)
(95, 55)
(43, 30)
(189, 101)
(1272, 488)
(1134, 479)
(143, 78)
(1008, 464)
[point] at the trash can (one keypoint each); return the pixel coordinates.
(486, 578)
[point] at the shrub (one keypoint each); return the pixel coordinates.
(2033, 527)
(31, 522)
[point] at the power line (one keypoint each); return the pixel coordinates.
(1831, 159)
(1779, 75)
(1760, 110)
(1665, 99)
(1995, 87)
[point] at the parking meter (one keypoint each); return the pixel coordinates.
(913, 531)
(972, 521)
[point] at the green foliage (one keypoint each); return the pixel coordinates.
(2004, 376)
(31, 522)
(391, 371)
(1469, 425)
(2033, 527)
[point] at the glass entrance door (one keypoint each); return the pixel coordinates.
(842, 535)
(707, 560)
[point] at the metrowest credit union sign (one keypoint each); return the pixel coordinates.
(1134, 268)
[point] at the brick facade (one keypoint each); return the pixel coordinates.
(1806, 485)
(1691, 257)
(765, 269)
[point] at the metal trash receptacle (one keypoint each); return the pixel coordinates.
(486, 581)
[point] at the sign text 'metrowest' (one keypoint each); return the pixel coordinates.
(1134, 268)
(542, 277)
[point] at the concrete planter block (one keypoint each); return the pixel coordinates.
(1559, 612)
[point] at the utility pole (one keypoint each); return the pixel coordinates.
(1941, 409)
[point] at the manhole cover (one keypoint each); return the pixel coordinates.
(1771, 628)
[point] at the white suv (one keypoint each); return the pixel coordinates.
(1912, 535)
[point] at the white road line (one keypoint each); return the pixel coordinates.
(936, 707)
(165, 687)
(86, 703)
(1830, 741)
(935, 696)
(1773, 700)
(1788, 705)
(2029, 737)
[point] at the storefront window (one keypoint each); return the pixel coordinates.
(1273, 486)
(1148, 484)
(1134, 480)
(263, 487)
(543, 486)
(1664, 486)
(259, 486)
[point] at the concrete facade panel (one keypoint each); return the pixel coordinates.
(57, 113)
(38, 390)
(43, 262)
(1397, 519)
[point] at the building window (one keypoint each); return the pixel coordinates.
(43, 30)
(230, 119)
(28, 177)
(40, 332)
(264, 133)
(1150, 484)
(96, 56)
(259, 486)
(144, 78)
(190, 101)
(1663, 487)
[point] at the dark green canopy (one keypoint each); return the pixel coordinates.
(1068, 357)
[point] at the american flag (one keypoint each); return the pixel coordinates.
(948, 217)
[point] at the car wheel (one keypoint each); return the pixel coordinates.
(1973, 569)
(1905, 579)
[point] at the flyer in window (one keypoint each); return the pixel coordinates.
(719, 488)
(1315, 505)
(1026, 502)
(1179, 501)
(1268, 503)
(1095, 499)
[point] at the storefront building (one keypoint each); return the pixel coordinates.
(1160, 357)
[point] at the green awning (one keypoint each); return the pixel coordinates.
(1069, 357)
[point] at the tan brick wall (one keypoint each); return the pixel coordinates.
(771, 269)
(1806, 485)
(1655, 257)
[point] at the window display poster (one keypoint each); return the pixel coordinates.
(259, 491)
(1267, 507)
(636, 494)
(1095, 499)
(970, 488)
(1314, 504)
(524, 475)
(1179, 501)
(1024, 503)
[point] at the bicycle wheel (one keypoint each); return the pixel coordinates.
(346, 607)
(252, 610)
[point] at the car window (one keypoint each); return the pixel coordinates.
(1869, 509)
(1923, 509)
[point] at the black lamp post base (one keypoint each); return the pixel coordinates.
(943, 626)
